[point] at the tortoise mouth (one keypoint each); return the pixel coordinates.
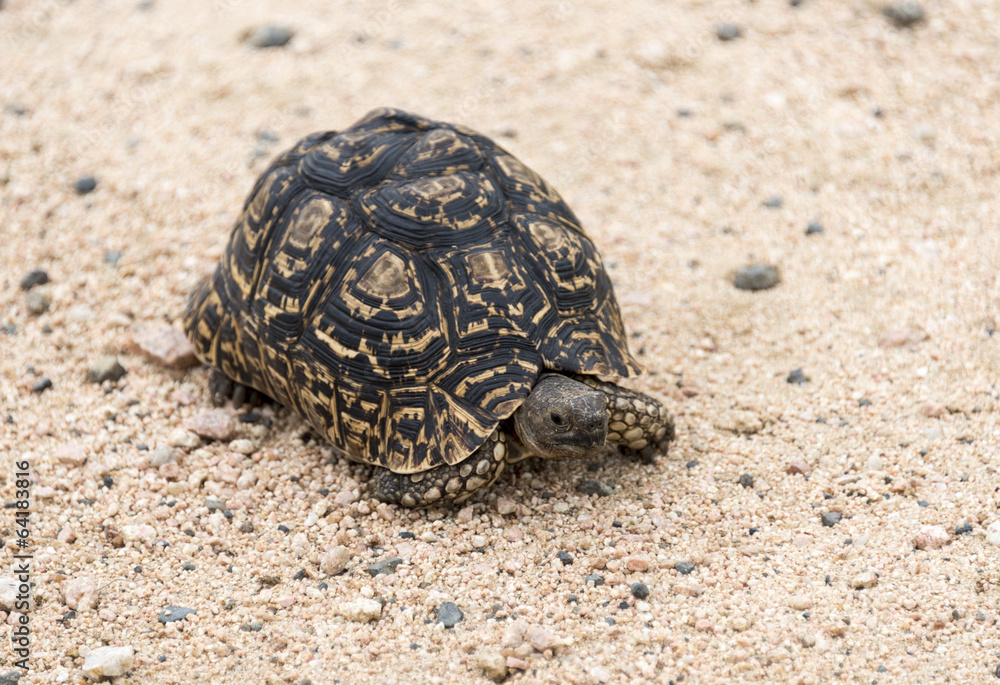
(563, 419)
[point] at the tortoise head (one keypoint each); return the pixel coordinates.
(562, 418)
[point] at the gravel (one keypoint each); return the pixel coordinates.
(36, 303)
(172, 614)
(85, 184)
(33, 278)
(449, 614)
(904, 14)
(385, 566)
(831, 518)
(727, 32)
(270, 36)
(107, 368)
(595, 488)
(639, 590)
(797, 377)
(756, 277)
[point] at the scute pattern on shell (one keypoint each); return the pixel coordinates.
(401, 285)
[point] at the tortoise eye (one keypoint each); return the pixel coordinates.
(556, 418)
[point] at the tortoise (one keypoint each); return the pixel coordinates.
(426, 302)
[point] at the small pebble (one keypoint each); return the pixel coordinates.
(188, 566)
(269, 36)
(216, 424)
(814, 228)
(33, 278)
(112, 257)
(595, 579)
(183, 438)
(108, 662)
(727, 32)
(493, 663)
(361, 610)
(164, 455)
(799, 467)
(42, 384)
(171, 614)
(756, 277)
(640, 591)
(904, 14)
(84, 185)
(506, 506)
(449, 614)
(931, 537)
(963, 528)
(684, 567)
(594, 487)
(335, 561)
(165, 345)
(637, 564)
(107, 368)
(746, 480)
(81, 593)
(36, 303)
(566, 558)
(865, 580)
(242, 446)
(385, 566)
(831, 518)
(774, 202)
(797, 377)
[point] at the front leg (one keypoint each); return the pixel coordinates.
(637, 423)
(447, 484)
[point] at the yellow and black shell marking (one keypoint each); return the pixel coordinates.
(401, 285)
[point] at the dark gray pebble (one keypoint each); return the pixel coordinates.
(904, 14)
(684, 567)
(449, 614)
(106, 369)
(85, 184)
(33, 278)
(797, 377)
(640, 591)
(10, 677)
(728, 31)
(171, 614)
(610, 621)
(594, 487)
(691, 464)
(814, 228)
(566, 558)
(774, 202)
(42, 384)
(864, 402)
(746, 480)
(831, 518)
(112, 257)
(572, 599)
(270, 36)
(386, 566)
(36, 303)
(188, 566)
(756, 277)
(595, 579)
(963, 528)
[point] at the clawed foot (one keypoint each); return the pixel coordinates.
(223, 388)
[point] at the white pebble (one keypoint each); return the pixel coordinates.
(108, 662)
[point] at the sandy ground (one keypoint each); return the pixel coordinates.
(667, 142)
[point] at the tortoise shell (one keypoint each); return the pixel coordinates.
(402, 284)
